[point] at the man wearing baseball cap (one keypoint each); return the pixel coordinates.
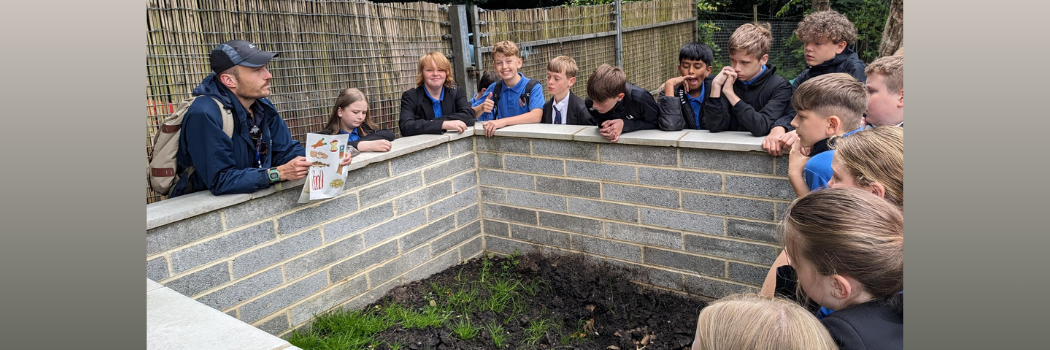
(261, 150)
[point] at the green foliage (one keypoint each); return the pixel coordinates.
(498, 334)
(464, 330)
(536, 330)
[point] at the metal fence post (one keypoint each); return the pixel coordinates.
(619, 35)
(457, 16)
(478, 68)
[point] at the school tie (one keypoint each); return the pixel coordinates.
(557, 116)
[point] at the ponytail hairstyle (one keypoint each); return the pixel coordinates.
(348, 97)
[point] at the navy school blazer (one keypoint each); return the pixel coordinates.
(417, 112)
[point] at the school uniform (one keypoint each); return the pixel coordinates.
(422, 114)
(818, 171)
(876, 324)
(569, 111)
(685, 106)
(638, 110)
(509, 102)
(765, 100)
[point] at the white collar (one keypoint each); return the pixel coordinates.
(562, 106)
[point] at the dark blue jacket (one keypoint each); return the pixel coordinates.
(223, 164)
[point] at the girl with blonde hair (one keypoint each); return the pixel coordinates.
(755, 322)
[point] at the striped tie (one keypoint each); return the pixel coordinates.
(557, 116)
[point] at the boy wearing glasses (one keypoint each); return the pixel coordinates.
(261, 151)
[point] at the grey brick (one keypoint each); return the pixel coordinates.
(371, 296)
(745, 162)
(781, 209)
(326, 300)
(259, 308)
(599, 171)
(760, 187)
(758, 254)
(644, 235)
(427, 233)
(471, 248)
(456, 237)
(465, 181)
(538, 235)
(276, 325)
(395, 227)
(571, 223)
(506, 246)
(713, 288)
(262, 208)
(232, 313)
(508, 213)
(397, 267)
(157, 269)
(202, 280)
(418, 159)
(503, 144)
(591, 245)
(683, 221)
(729, 206)
(455, 166)
(183, 232)
(781, 166)
(370, 173)
(465, 216)
(603, 210)
(534, 165)
(325, 256)
(756, 231)
(270, 255)
(493, 194)
(243, 290)
(496, 228)
(565, 149)
(680, 179)
(390, 189)
(641, 195)
(747, 273)
(575, 188)
(505, 179)
(461, 146)
(338, 229)
(221, 247)
(332, 208)
(638, 154)
(433, 266)
(449, 205)
(681, 261)
(664, 278)
(490, 161)
(418, 199)
(363, 261)
(536, 200)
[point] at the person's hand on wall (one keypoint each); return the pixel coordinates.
(611, 129)
(454, 125)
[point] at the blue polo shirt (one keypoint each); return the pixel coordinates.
(353, 135)
(818, 168)
(697, 103)
(436, 103)
(475, 101)
(509, 104)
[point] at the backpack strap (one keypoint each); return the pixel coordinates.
(227, 127)
(495, 97)
(527, 95)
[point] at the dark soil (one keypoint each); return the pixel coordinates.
(590, 307)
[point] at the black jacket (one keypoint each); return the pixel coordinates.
(877, 324)
(678, 106)
(371, 135)
(417, 112)
(762, 105)
(846, 62)
(577, 112)
(638, 110)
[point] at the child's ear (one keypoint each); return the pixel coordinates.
(834, 123)
(878, 189)
(840, 287)
(619, 97)
(572, 81)
(900, 103)
(840, 47)
(764, 59)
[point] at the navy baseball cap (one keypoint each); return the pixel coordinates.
(238, 52)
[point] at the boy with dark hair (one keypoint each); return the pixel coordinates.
(564, 107)
(488, 78)
(618, 106)
(748, 95)
(513, 100)
(828, 105)
(682, 97)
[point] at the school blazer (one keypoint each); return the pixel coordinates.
(577, 112)
(417, 112)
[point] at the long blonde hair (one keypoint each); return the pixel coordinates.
(755, 322)
(875, 155)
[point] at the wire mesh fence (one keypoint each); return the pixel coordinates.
(720, 25)
(323, 47)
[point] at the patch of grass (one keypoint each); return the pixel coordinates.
(464, 330)
(499, 336)
(430, 316)
(536, 330)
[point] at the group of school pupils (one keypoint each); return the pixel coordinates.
(838, 283)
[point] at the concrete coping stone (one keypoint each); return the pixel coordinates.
(174, 321)
(197, 203)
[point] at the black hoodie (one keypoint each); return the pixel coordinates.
(846, 62)
(638, 110)
(762, 104)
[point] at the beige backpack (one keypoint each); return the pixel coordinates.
(161, 167)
